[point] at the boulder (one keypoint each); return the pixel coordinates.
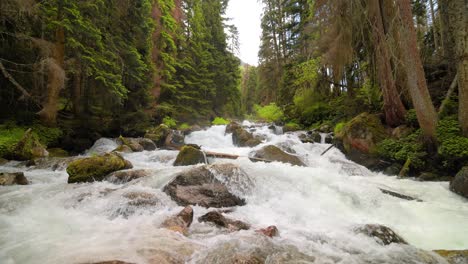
(13, 178)
(126, 176)
(328, 139)
(199, 186)
(401, 131)
(459, 184)
(393, 169)
(189, 155)
(325, 128)
(382, 234)
(96, 168)
(242, 138)
(291, 127)
(305, 138)
(158, 134)
(123, 149)
(174, 140)
(219, 220)
(132, 143)
(270, 231)
(58, 153)
(28, 148)
(180, 222)
(141, 199)
(232, 127)
(454, 256)
(147, 144)
(273, 153)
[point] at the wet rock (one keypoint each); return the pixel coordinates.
(219, 220)
(191, 129)
(132, 143)
(158, 134)
(429, 176)
(141, 199)
(314, 137)
(126, 176)
(28, 148)
(454, 256)
(58, 153)
(242, 138)
(325, 128)
(247, 259)
(305, 138)
(291, 127)
(459, 184)
(382, 234)
(162, 257)
(96, 168)
(174, 140)
(15, 178)
(111, 262)
(328, 139)
(393, 169)
(147, 144)
(232, 127)
(180, 222)
(199, 186)
(189, 155)
(274, 153)
(123, 149)
(270, 231)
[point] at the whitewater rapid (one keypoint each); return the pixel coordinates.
(315, 209)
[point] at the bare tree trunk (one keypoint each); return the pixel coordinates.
(434, 31)
(393, 107)
(447, 40)
(416, 82)
(458, 11)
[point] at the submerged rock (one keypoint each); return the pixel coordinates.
(189, 155)
(28, 148)
(199, 186)
(219, 220)
(273, 153)
(15, 178)
(96, 168)
(180, 222)
(382, 234)
(126, 176)
(270, 231)
(141, 199)
(459, 184)
(454, 256)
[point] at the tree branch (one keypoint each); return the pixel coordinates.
(23, 91)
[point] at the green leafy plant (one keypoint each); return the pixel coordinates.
(170, 122)
(270, 113)
(184, 126)
(220, 121)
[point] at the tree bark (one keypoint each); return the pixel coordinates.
(458, 12)
(416, 81)
(434, 31)
(393, 107)
(447, 40)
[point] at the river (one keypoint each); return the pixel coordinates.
(315, 208)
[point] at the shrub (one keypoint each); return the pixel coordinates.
(170, 122)
(339, 128)
(270, 113)
(291, 126)
(406, 148)
(453, 148)
(411, 118)
(220, 121)
(184, 126)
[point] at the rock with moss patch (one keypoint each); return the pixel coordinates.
(96, 168)
(126, 175)
(459, 184)
(189, 155)
(232, 127)
(28, 148)
(242, 138)
(123, 149)
(454, 256)
(291, 127)
(16, 178)
(382, 234)
(158, 134)
(58, 153)
(147, 144)
(273, 153)
(132, 143)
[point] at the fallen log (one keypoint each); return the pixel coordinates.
(399, 195)
(323, 153)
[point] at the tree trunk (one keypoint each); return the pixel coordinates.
(77, 90)
(458, 11)
(393, 107)
(434, 31)
(447, 40)
(416, 81)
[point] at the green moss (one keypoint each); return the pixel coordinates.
(58, 152)
(189, 155)
(170, 122)
(338, 130)
(158, 134)
(291, 126)
(9, 136)
(184, 126)
(220, 121)
(95, 168)
(365, 127)
(411, 118)
(453, 148)
(407, 148)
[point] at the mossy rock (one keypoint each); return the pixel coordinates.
(58, 153)
(132, 143)
(13, 179)
(242, 138)
(459, 184)
(28, 148)
(454, 256)
(96, 168)
(232, 127)
(363, 133)
(273, 153)
(189, 155)
(158, 134)
(123, 149)
(290, 127)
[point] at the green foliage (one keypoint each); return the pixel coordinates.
(49, 136)
(292, 126)
(184, 126)
(453, 146)
(410, 147)
(270, 113)
(370, 95)
(9, 136)
(170, 122)
(339, 128)
(220, 121)
(310, 107)
(411, 118)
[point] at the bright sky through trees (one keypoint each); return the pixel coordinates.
(245, 15)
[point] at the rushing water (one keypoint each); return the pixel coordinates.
(315, 208)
